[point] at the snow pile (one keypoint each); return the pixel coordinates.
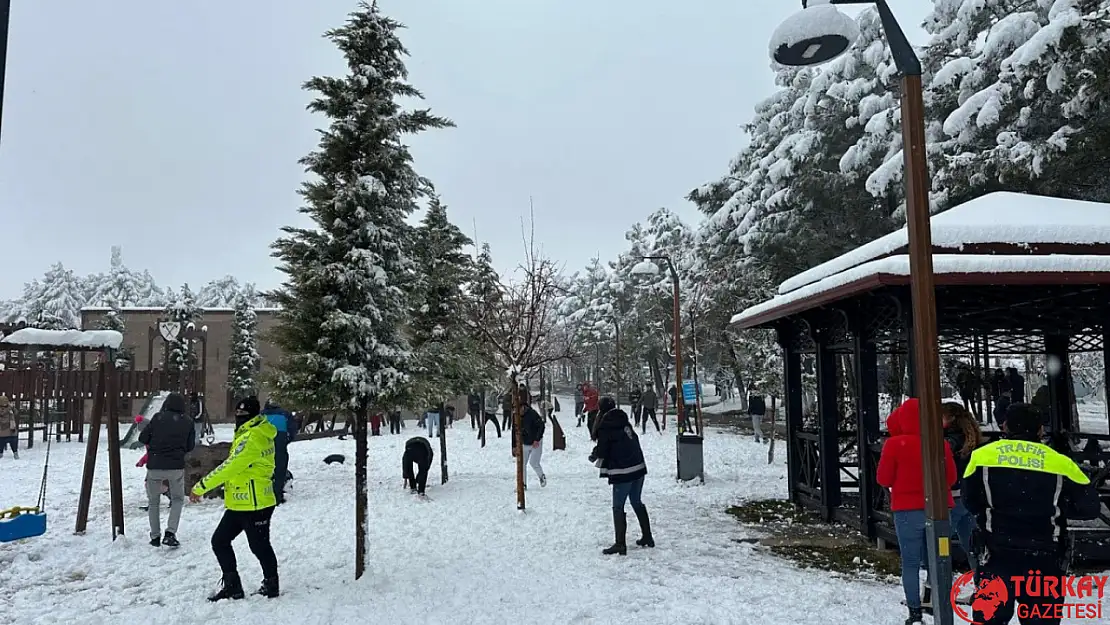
(93, 339)
(1000, 217)
(466, 556)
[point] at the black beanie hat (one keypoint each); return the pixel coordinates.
(249, 406)
(607, 403)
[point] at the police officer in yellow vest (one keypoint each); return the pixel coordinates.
(1022, 494)
(247, 479)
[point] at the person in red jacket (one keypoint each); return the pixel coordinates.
(901, 472)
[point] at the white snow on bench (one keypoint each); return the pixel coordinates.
(942, 264)
(1002, 217)
(92, 339)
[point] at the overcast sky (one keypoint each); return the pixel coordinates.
(174, 128)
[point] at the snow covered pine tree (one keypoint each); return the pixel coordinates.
(343, 304)
(243, 360)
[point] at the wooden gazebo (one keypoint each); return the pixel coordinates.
(1015, 275)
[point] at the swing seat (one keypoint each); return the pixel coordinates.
(18, 523)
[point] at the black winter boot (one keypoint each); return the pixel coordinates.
(915, 617)
(645, 527)
(230, 588)
(620, 529)
(269, 588)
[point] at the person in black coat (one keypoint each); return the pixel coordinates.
(474, 409)
(168, 437)
(531, 437)
(418, 451)
(757, 408)
(621, 460)
(634, 398)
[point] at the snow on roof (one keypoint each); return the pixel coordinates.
(942, 264)
(158, 309)
(92, 339)
(1000, 217)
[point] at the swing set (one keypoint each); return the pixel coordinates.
(21, 522)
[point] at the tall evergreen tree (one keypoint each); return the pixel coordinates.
(56, 302)
(445, 361)
(243, 361)
(343, 300)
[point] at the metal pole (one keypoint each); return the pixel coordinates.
(680, 402)
(5, 16)
(922, 289)
(617, 364)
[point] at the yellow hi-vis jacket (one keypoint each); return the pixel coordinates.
(1027, 455)
(247, 474)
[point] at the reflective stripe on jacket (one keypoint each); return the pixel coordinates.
(247, 474)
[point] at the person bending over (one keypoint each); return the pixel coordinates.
(418, 452)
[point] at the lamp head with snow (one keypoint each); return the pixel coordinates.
(815, 35)
(645, 268)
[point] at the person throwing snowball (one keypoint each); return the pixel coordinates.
(531, 438)
(418, 451)
(247, 478)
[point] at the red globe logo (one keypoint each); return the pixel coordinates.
(989, 595)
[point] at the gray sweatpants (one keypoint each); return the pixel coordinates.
(154, 478)
(532, 457)
(757, 425)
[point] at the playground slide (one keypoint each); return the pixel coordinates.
(131, 439)
(152, 405)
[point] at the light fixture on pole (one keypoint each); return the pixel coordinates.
(5, 17)
(817, 34)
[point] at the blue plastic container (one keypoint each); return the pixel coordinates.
(26, 525)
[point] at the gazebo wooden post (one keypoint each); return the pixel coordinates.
(977, 368)
(90, 449)
(911, 362)
(828, 415)
(988, 416)
(1106, 370)
(866, 359)
(792, 375)
(1059, 393)
(115, 471)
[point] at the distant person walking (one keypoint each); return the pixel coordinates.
(474, 408)
(9, 428)
(247, 478)
(757, 408)
(635, 399)
(168, 437)
(490, 415)
(579, 403)
(649, 401)
(591, 397)
(531, 437)
(431, 419)
(395, 422)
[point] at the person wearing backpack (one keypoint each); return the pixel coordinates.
(249, 501)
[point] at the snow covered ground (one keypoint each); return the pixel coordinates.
(466, 556)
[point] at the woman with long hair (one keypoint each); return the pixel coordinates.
(962, 433)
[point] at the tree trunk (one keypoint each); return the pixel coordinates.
(518, 442)
(738, 373)
(443, 443)
(360, 490)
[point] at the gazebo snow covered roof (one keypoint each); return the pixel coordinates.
(997, 239)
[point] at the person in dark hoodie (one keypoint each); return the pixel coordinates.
(532, 426)
(621, 460)
(168, 437)
(418, 451)
(280, 419)
(649, 402)
(247, 479)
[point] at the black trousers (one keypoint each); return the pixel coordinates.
(507, 416)
(1003, 566)
(490, 417)
(648, 413)
(636, 413)
(395, 424)
(422, 463)
(256, 525)
(281, 464)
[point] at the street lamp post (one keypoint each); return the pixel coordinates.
(680, 410)
(816, 35)
(5, 16)
(617, 361)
